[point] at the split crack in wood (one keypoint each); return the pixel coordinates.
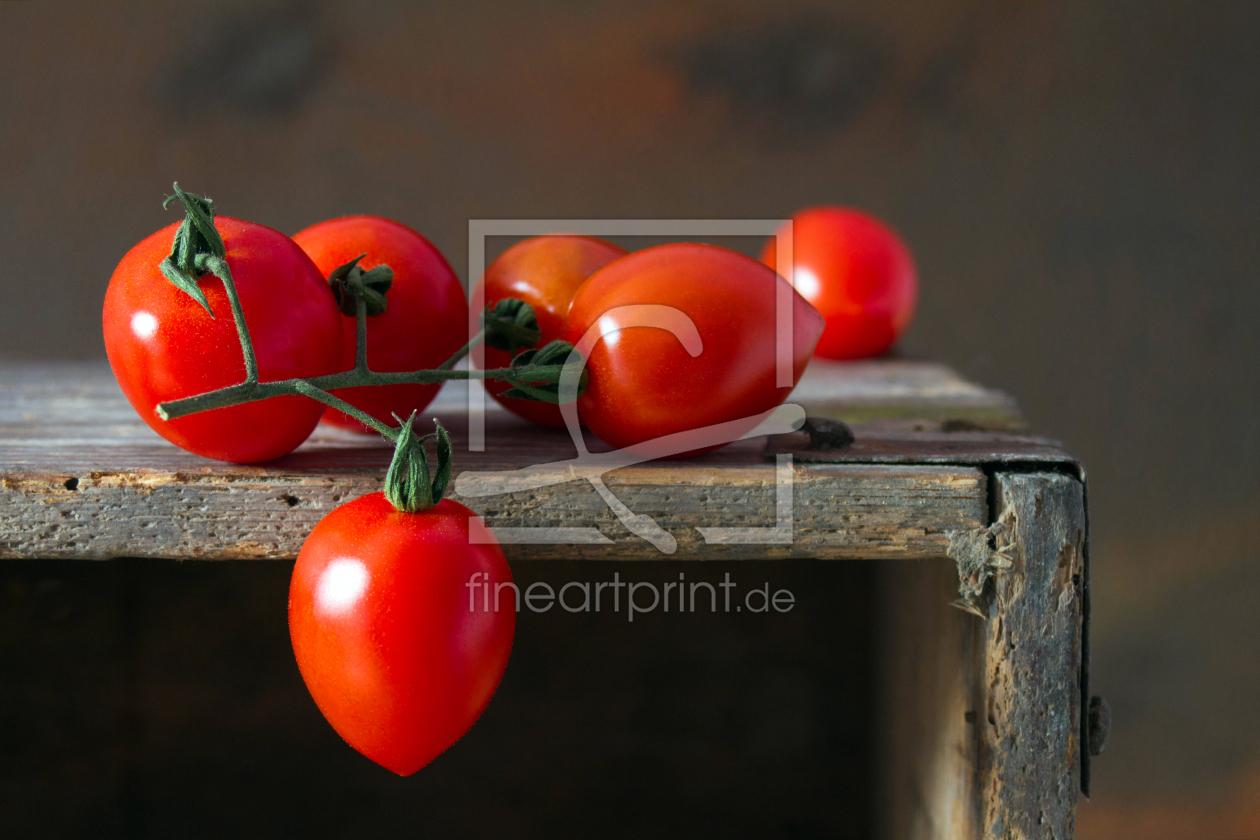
(980, 554)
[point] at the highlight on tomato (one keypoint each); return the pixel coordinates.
(543, 271)
(167, 341)
(417, 319)
(710, 358)
(858, 273)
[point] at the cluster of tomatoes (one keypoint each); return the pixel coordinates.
(163, 346)
(855, 292)
(397, 655)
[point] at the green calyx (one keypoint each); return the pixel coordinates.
(349, 283)
(198, 249)
(510, 325)
(407, 483)
(555, 353)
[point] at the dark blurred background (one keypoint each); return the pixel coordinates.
(1077, 181)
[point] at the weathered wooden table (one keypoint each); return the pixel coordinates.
(984, 659)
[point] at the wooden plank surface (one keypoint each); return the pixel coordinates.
(1028, 713)
(82, 476)
(895, 389)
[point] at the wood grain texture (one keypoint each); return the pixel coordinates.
(841, 512)
(924, 442)
(84, 477)
(1028, 772)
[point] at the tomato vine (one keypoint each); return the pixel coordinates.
(508, 324)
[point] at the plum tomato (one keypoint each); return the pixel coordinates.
(401, 626)
(425, 318)
(645, 382)
(543, 271)
(163, 346)
(858, 273)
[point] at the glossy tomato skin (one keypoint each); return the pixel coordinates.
(858, 273)
(163, 346)
(398, 652)
(425, 319)
(543, 271)
(644, 384)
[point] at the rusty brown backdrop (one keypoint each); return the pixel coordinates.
(1077, 180)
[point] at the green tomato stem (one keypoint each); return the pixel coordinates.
(360, 336)
(463, 351)
(221, 269)
(248, 392)
(301, 386)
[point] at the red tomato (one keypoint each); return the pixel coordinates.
(644, 383)
(544, 272)
(395, 631)
(163, 346)
(424, 322)
(858, 273)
